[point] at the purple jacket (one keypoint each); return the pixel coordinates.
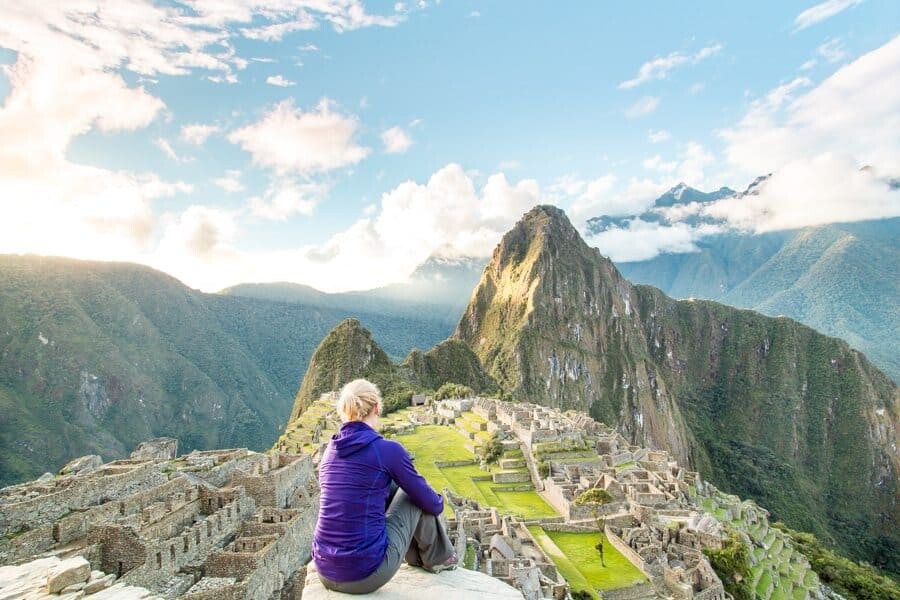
(355, 476)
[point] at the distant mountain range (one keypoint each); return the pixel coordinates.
(96, 357)
(436, 292)
(841, 279)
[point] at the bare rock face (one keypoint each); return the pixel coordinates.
(84, 463)
(156, 449)
(411, 583)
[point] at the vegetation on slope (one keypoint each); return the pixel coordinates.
(97, 357)
(763, 407)
(839, 279)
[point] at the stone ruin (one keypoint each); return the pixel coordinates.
(223, 524)
(502, 547)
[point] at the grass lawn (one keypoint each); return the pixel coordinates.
(566, 567)
(434, 443)
(579, 548)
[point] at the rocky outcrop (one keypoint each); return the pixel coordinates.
(764, 407)
(411, 583)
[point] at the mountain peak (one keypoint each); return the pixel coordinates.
(346, 353)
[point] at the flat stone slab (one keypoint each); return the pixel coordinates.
(412, 583)
(29, 581)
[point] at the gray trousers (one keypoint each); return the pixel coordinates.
(417, 536)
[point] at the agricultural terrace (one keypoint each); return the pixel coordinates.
(435, 447)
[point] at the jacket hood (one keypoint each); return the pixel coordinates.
(353, 437)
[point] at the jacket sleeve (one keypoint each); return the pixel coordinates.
(401, 469)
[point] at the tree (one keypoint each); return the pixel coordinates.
(453, 390)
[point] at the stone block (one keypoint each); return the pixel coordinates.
(99, 583)
(81, 464)
(68, 572)
(412, 583)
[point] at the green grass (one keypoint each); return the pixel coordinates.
(579, 547)
(566, 567)
(434, 443)
(580, 562)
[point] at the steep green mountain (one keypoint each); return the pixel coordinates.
(97, 357)
(840, 279)
(764, 407)
(349, 352)
(437, 293)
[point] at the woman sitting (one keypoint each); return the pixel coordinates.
(362, 533)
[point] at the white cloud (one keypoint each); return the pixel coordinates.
(642, 240)
(822, 11)
(275, 31)
(696, 88)
(656, 137)
(656, 163)
(287, 139)
(230, 182)
(474, 14)
(395, 140)
(642, 107)
(806, 66)
(833, 50)
(167, 149)
(808, 192)
(197, 133)
(446, 216)
(509, 165)
(853, 113)
(287, 197)
(308, 48)
(279, 81)
(659, 68)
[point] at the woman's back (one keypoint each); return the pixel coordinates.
(355, 476)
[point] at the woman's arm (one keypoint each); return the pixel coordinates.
(400, 467)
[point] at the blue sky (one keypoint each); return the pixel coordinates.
(340, 144)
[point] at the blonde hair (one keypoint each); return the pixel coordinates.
(357, 400)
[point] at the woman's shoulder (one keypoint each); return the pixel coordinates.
(390, 447)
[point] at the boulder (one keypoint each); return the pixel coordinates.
(29, 580)
(46, 477)
(82, 464)
(99, 583)
(67, 573)
(412, 583)
(156, 449)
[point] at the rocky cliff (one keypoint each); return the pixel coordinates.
(764, 407)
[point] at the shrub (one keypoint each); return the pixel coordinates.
(453, 390)
(492, 449)
(544, 469)
(594, 496)
(732, 565)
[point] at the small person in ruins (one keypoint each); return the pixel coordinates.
(366, 525)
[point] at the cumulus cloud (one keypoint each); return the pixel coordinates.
(660, 67)
(852, 113)
(230, 182)
(197, 133)
(642, 240)
(447, 216)
(642, 107)
(279, 81)
(288, 139)
(808, 192)
(820, 12)
(286, 197)
(395, 140)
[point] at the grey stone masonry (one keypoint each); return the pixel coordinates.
(224, 523)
